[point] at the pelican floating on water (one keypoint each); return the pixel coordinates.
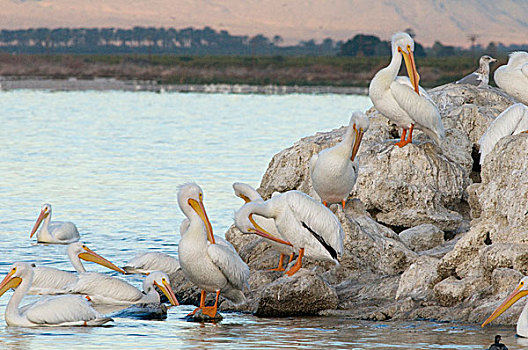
(63, 310)
(513, 77)
(518, 293)
(512, 121)
(249, 194)
(334, 170)
(49, 280)
(312, 228)
(401, 99)
(480, 77)
(57, 232)
(213, 267)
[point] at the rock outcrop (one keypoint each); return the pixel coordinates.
(428, 233)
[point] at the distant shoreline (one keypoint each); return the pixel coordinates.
(103, 84)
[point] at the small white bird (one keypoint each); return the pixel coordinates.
(312, 228)
(334, 170)
(512, 121)
(63, 310)
(57, 232)
(49, 280)
(513, 77)
(480, 77)
(401, 99)
(215, 268)
(518, 293)
(249, 194)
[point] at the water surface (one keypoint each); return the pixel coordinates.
(112, 162)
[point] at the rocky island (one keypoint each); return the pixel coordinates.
(429, 234)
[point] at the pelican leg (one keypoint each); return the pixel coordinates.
(202, 303)
(525, 131)
(211, 310)
(404, 141)
(291, 258)
(325, 203)
(279, 268)
(297, 265)
(343, 204)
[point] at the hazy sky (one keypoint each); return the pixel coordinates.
(450, 21)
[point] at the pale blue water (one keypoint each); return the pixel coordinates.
(111, 162)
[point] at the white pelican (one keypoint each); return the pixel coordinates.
(311, 227)
(334, 170)
(49, 280)
(513, 77)
(480, 77)
(63, 310)
(108, 290)
(518, 293)
(211, 266)
(57, 232)
(394, 96)
(512, 121)
(249, 194)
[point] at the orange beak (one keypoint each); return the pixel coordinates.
(199, 208)
(357, 142)
(510, 300)
(167, 290)
(408, 57)
(265, 234)
(9, 282)
(41, 217)
(90, 255)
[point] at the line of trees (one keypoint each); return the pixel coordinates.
(208, 41)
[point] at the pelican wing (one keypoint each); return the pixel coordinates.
(229, 262)
(152, 261)
(60, 309)
(524, 70)
(322, 224)
(512, 120)
(49, 280)
(99, 285)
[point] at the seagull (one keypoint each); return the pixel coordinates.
(401, 99)
(334, 170)
(480, 77)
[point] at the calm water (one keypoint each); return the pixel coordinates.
(112, 161)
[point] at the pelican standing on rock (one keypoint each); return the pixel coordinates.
(513, 77)
(215, 268)
(334, 170)
(312, 228)
(63, 310)
(512, 121)
(518, 293)
(480, 77)
(401, 99)
(249, 194)
(49, 280)
(57, 232)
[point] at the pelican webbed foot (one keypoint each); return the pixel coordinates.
(297, 265)
(279, 268)
(404, 141)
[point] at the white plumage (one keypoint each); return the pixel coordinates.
(64, 310)
(513, 77)
(152, 261)
(311, 227)
(518, 293)
(49, 280)
(57, 232)
(511, 121)
(402, 100)
(211, 266)
(249, 194)
(334, 170)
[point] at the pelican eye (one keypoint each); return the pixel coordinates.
(521, 284)
(163, 280)
(400, 49)
(409, 48)
(200, 195)
(13, 270)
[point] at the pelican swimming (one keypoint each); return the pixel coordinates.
(57, 232)
(480, 77)
(312, 228)
(249, 194)
(513, 77)
(512, 121)
(213, 267)
(334, 170)
(518, 293)
(63, 310)
(108, 290)
(401, 99)
(49, 280)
